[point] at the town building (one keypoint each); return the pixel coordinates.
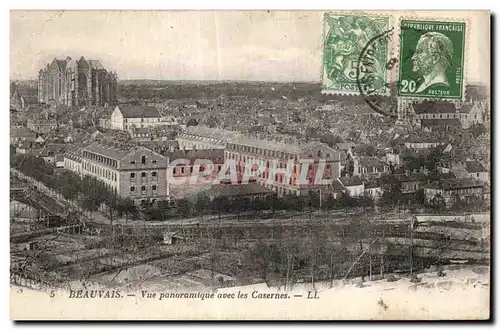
(204, 137)
(73, 161)
(143, 134)
(369, 166)
(22, 96)
(136, 173)
(453, 190)
(234, 192)
(373, 190)
(21, 133)
(185, 167)
(42, 125)
(418, 144)
(77, 83)
(470, 169)
(276, 154)
(353, 185)
(467, 113)
(160, 147)
(126, 117)
(411, 182)
(105, 123)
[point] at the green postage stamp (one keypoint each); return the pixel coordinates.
(346, 37)
(432, 59)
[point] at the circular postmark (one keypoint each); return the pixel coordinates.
(371, 74)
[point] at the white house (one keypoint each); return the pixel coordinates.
(476, 170)
(125, 117)
(354, 185)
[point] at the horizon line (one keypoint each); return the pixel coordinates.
(231, 80)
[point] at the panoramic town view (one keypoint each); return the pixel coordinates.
(170, 184)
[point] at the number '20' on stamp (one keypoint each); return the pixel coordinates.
(432, 59)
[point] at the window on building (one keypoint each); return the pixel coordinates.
(182, 170)
(143, 188)
(132, 175)
(132, 162)
(143, 174)
(153, 174)
(154, 161)
(175, 171)
(132, 188)
(143, 160)
(477, 174)
(153, 187)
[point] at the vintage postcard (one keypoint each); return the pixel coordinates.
(244, 165)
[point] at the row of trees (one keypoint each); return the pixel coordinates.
(88, 192)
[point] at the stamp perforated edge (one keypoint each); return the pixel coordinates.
(397, 46)
(323, 35)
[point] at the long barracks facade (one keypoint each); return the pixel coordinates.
(283, 163)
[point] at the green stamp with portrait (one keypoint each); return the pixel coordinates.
(346, 37)
(432, 55)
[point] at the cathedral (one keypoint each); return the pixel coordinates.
(77, 83)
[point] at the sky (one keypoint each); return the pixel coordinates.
(191, 45)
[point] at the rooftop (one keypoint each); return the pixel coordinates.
(351, 181)
(474, 167)
(212, 133)
(370, 161)
(454, 184)
(215, 155)
(138, 111)
(441, 122)
(22, 131)
(108, 151)
(307, 149)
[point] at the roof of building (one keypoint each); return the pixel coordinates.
(415, 176)
(21, 131)
(139, 111)
(370, 161)
(474, 167)
(372, 185)
(215, 155)
(282, 144)
(351, 181)
(73, 155)
(142, 130)
(337, 186)
(440, 122)
(108, 151)
(115, 152)
(211, 133)
(434, 107)
(455, 184)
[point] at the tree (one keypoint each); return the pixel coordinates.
(433, 159)
(184, 207)
(220, 204)
(438, 203)
(412, 163)
(202, 202)
(392, 193)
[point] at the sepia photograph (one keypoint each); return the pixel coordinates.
(243, 165)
